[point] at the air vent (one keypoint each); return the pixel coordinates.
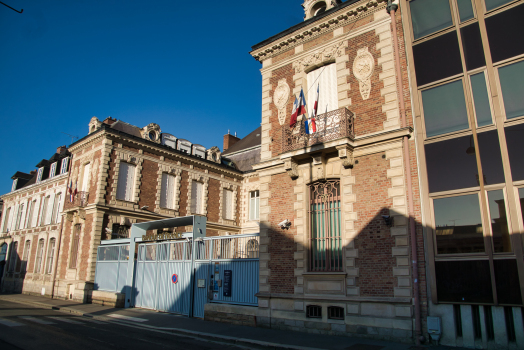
(336, 313)
(314, 311)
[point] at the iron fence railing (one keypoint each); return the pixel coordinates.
(329, 126)
(81, 199)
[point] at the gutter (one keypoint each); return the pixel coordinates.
(391, 8)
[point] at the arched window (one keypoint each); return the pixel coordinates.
(325, 226)
(25, 257)
(3, 251)
(13, 257)
(50, 255)
(39, 254)
(6, 220)
(252, 249)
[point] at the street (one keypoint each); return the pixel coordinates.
(27, 327)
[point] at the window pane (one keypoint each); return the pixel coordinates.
(521, 196)
(472, 44)
(445, 109)
(437, 58)
(458, 225)
(480, 99)
(499, 222)
(491, 4)
(507, 282)
(502, 28)
(325, 78)
(464, 281)
(429, 16)
(465, 10)
(451, 165)
(491, 158)
(515, 141)
(512, 85)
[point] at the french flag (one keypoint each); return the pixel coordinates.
(302, 103)
(70, 190)
(293, 120)
(315, 110)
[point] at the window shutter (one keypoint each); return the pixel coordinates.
(130, 182)
(36, 209)
(228, 204)
(24, 213)
(326, 78)
(49, 209)
(122, 181)
(59, 207)
(193, 197)
(196, 198)
(85, 180)
(52, 171)
(12, 220)
(164, 191)
(63, 168)
(170, 191)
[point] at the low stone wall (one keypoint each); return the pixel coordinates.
(106, 298)
(234, 314)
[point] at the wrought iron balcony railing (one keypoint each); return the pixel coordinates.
(330, 126)
(80, 200)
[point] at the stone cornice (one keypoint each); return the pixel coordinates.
(302, 35)
(32, 187)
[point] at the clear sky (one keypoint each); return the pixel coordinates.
(184, 65)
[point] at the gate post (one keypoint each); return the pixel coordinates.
(135, 233)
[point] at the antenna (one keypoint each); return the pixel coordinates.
(22, 10)
(71, 136)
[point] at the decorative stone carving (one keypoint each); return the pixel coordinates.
(82, 214)
(280, 99)
(345, 153)
(363, 66)
(292, 168)
(321, 56)
(213, 154)
(152, 132)
(69, 217)
(318, 167)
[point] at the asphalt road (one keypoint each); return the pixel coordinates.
(27, 327)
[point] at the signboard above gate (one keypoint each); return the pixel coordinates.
(162, 237)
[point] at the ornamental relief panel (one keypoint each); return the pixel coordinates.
(363, 67)
(321, 56)
(280, 99)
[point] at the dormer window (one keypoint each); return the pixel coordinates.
(152, 136)
(13, 188)
(63, 166)
(318, 9)
(52, 172)
(39, 175)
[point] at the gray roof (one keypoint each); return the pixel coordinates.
(250, 141)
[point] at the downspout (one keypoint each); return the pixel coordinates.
(391, 9)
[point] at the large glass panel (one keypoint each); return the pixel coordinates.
(505, 33)
(480, 99)
(499, 222)
(445, 109)
(465, 10)
(437, 58)
(429, 16)
(451, 164)
(515, 142)
(472, 44)
(491, 157)
(491, 4)
(458, 225)
(512, 85)
(463, 281)
(507, 282)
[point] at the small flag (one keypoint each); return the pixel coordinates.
(306, 125)
(70, 190)
(315, 106)
(302, 103)
(293, 120)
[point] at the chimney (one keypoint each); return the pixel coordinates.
(109, 120)
(229, 140)
(61, 149)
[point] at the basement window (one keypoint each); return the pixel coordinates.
(314, 311)
(335, 312)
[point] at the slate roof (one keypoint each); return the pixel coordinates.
(251, 140)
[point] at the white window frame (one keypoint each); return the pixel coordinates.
(63, 165)
(30, 213)
(167, 191)
(7, 213)
(326, 77)
(39, 255)
(125, 189)
(50, 255)
(13, 187)
(52, 170)
(227, 207)
(254, 205)
(197, 198)
(56, 205)
(43, 210)
(19, 216)
(39, 175)
(25, 256)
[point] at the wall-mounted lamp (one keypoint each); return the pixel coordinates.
(388, 220)
(285, 225)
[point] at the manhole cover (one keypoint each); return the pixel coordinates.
(364, 347)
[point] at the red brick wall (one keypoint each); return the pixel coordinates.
(213, 195)
(184, 183)
(282, 247)
(94, 176)
(32, 256)
(318, 40)
(64, 249)
(374, 241)
(110, 176)
(148, 184)
(84, 245)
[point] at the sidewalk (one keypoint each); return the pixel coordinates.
(240, 335)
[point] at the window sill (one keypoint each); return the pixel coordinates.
(327, 273)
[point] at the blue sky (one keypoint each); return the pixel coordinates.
(184, 65)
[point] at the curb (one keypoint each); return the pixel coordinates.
(208, 336)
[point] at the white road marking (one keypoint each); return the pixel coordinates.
(36, 320)
(88, 319)
(9, 323)
(64, 319)
(128, 318)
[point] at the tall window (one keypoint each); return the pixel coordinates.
(50, 255)
(43, 212)
(13, 187)
(56, 210)
(63, 166)
(85, 179)
(13, 257)
(325, 79)
(325, 226)
(3, 252)
(167, 192)
(25, 256)
(197, 190)
(29, 220)
(52, 171)
(254, 205)
(74, 246)
(227, 207)
(126, 182)
(6, 220)
(39, 175)
(19, 216)
(39, 255)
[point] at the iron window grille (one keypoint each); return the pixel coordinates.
(335, 312)
(325, 226)
(314, 311)
(119, 231)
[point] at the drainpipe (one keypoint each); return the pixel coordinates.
(391, 9)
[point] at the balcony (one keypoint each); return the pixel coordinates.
(80, 200)
(330, 126)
